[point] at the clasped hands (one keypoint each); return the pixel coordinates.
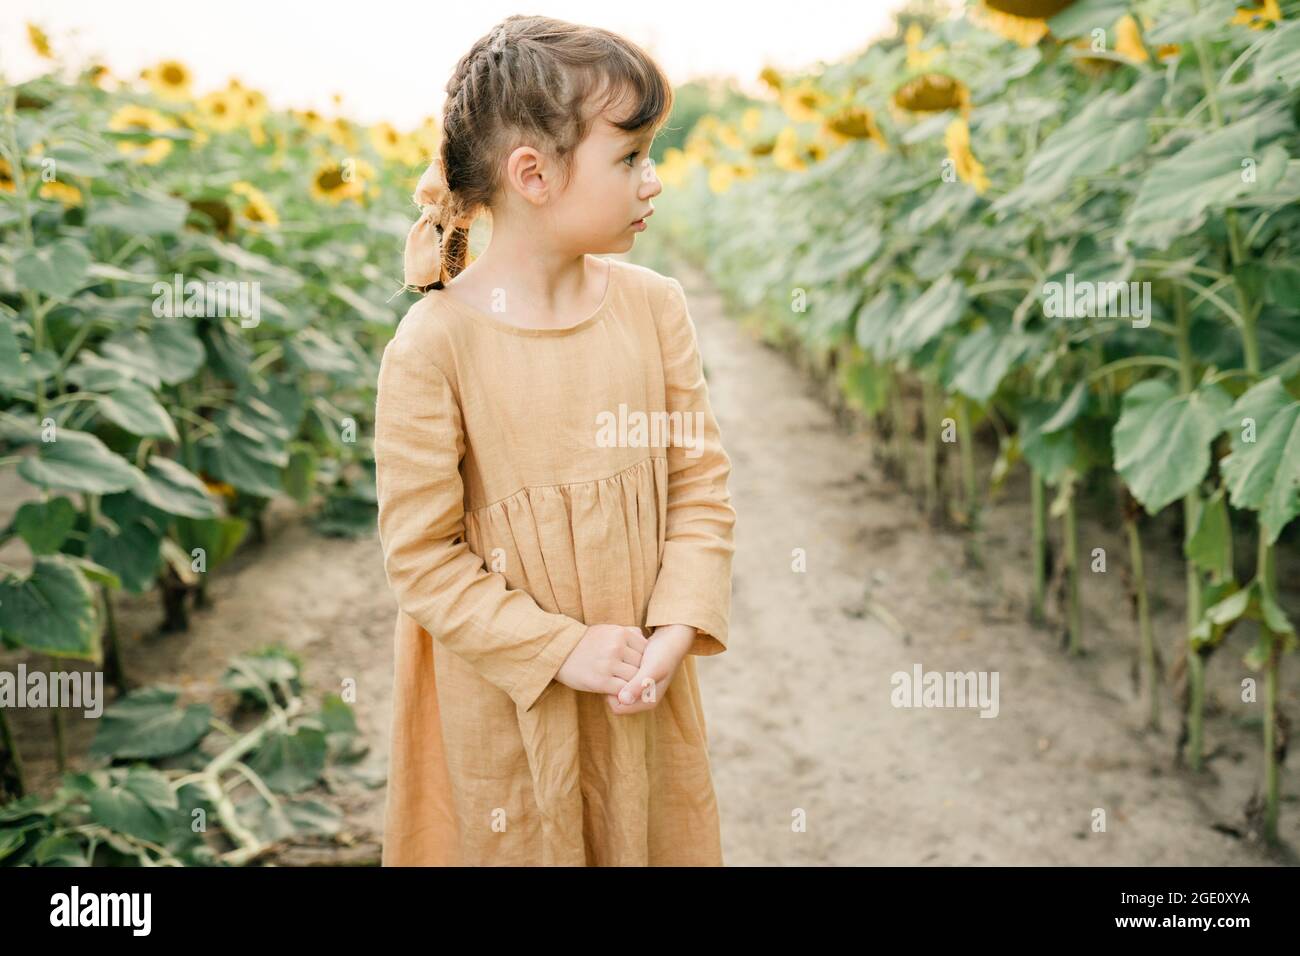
(632, 671)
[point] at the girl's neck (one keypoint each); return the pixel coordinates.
(533, 290)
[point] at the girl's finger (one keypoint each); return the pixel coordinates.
(625, 672)
(620, 708)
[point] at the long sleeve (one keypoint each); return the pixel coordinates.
(694, 582)
(419, 443)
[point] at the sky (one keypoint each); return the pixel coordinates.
(391, 59)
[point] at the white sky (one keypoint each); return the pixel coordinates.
(391, 59)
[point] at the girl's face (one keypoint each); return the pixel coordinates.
(612, 183)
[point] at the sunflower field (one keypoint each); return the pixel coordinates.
(1072, 228)
(194, 292)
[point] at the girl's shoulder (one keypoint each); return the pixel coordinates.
(427, 327)
(647, 289)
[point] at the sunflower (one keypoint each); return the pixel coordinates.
(933, 93)
(170, 80)
(803, 103)
(918, 59)
(61, 192)
(1091, 65)
(222, 110)
(728, 137)
(1025, 29)
(1029, 9)
(40, 41)
(134, 119)
(855, 122)
(7, 177)
(313, 121)
(698, 145)
(721, 177)
(428, 137)
(334, 182)
(257, 208)
(252, 103)
(673, 168)
(395, 146)
(751, 119)
(969, 169)
(772, 77)
(1257, 18)
(97, 73)
(786, 154)
(218, 487)
(341, 132)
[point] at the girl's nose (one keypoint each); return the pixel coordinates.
(650, 185)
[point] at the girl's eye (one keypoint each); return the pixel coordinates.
(631, 156)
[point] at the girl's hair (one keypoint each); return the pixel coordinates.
(543, 81)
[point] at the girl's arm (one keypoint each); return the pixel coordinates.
(438, 580)
(694, 583)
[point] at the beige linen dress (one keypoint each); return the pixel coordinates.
(508, 524)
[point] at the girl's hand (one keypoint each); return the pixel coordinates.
(663, 654)
(606, 658)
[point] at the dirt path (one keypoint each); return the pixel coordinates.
(799, 709)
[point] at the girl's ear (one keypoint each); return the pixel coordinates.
(528, 174)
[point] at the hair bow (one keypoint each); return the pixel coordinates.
(428, 236)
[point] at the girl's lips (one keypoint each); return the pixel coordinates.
(639, 225)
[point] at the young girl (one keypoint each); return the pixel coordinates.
(554, 584)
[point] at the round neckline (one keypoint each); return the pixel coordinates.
(592, 319)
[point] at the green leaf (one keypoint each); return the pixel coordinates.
(216, 537)
(1070, 409)
(96, 573)
(314, 352)
(874, 322)
(78, 461)
(1209, 544)
(982, 358)
(178, 351)
(139, 803)
(172, 488)
(240, 461)
(45, 525)
(937, 308)
(292, 762)
(56, 270)
(132, 554)
(52, 610)
(140, 214)
(1109, 131)
(147, 724)
(300, 476)
(11, 358)
(1053, 454)
(1176, 192)
(835, 260)
(134, 408)
(948, 199)
(1264, 475)
(1084, 16)
(1162, 440)
(1278, 59)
